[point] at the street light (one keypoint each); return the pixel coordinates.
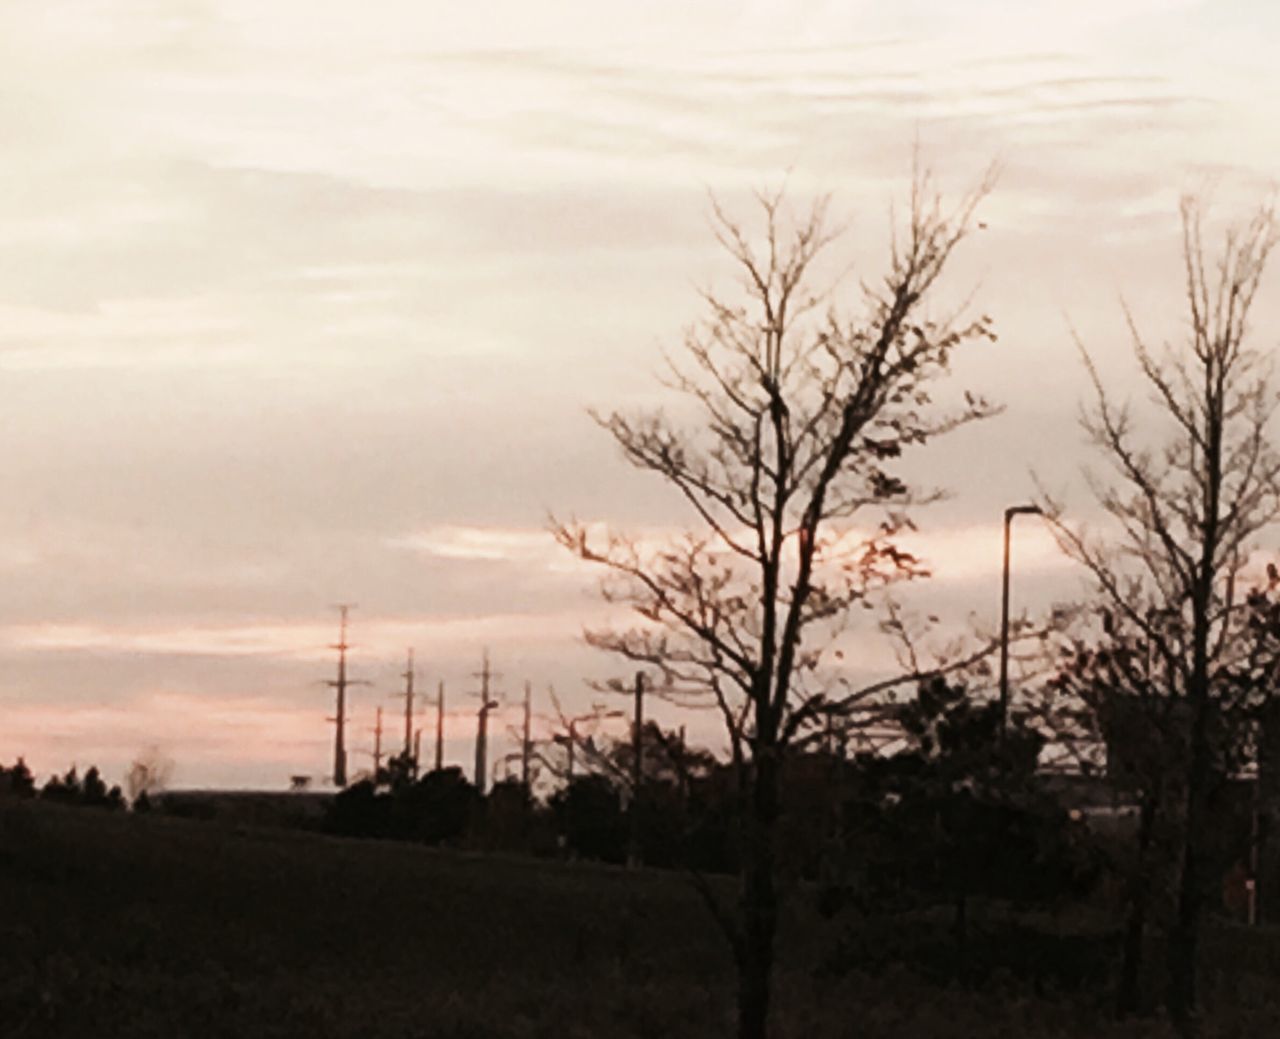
(1009, 513)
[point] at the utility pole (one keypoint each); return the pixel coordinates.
(340, 715)
(440, 726)
(410, 757)
(637, 773)
(417, 751)
(377, 748)
(526, 747)
(482, 727)
(1009, 513)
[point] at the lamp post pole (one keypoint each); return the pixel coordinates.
(1009, 513)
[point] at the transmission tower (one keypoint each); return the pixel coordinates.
(341, 684)
(410, 755)
(377, 749)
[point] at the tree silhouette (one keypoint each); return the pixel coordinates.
(17, 780)
(790, 471)
(90, 791)
(149, 773)
(988, 826)
(1108, 703)
(1190, 489)
(589, 813)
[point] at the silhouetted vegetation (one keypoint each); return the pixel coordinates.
(1191, 491)
(439, 808)
(962, 813)
(806, 404)
(17, 780)
(90, 791)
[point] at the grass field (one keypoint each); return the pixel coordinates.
(115, 925)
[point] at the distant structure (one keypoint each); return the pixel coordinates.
(487, 704)
(340, 684)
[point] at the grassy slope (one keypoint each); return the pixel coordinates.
(152, 926)
(143, 926)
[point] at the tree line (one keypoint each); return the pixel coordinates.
(90, 790)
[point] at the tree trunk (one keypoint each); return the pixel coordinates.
(1184, 940)
(1129, 991)
(759, 905)
(755, 969)
(960, 927)
(1184, 937)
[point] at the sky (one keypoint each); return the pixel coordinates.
(304, 304)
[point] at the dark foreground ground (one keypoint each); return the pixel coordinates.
(114, 925)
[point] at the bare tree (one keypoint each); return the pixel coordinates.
(1192, 486)
(150, 772)
(803, 411)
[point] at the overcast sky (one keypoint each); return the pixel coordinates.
(305, 303)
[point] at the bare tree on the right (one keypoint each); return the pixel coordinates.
(800, 414)
(1193, 484)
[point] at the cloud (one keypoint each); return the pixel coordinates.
(485, 543)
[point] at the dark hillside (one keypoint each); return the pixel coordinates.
(127, 925)
(145, 926)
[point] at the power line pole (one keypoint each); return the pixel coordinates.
(410, 758)
(377, 748)
(526, 748)
(1009, 514)
(340, 684)
(482, 727)
(440, 726)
